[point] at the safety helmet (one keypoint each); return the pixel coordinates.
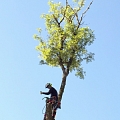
(48, 84)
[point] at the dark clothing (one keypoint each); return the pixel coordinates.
(53, 100)
(53, 92)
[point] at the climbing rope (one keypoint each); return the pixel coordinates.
(45, 105)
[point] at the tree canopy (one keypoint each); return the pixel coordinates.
(66, 45)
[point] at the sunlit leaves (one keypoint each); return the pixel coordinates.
(67, 40)
(39, 30)
(81, 3)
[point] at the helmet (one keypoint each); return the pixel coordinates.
(48, 84)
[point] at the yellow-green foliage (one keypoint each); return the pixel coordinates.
(67, 39)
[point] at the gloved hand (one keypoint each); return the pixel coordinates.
(41, 92)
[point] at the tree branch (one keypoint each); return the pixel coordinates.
(64, 12)
(79, 23)
(75, 12)
(61, 63)
(56, 20)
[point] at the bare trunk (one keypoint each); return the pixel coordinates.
(62, 87)
(48, 111)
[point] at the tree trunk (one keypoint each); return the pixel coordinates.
(48, 111)
(62, 87)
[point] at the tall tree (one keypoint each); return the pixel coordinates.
(66, 45)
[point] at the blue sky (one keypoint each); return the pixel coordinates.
(97, 97)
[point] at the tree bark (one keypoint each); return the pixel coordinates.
(48, 111)
(62, 87)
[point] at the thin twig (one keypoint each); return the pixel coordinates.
(83, 14)
(75, 12)
(64, 11)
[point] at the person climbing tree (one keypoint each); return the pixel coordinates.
(53, 100)
(67, 41)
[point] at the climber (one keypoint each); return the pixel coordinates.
(53, 99)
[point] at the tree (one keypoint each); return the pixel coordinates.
(66, 45)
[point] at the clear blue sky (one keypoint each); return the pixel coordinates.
(97, 97)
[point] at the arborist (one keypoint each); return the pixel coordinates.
(53, 99)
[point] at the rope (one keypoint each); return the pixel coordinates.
(45, 105)
(43, 109)
(45, 97)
